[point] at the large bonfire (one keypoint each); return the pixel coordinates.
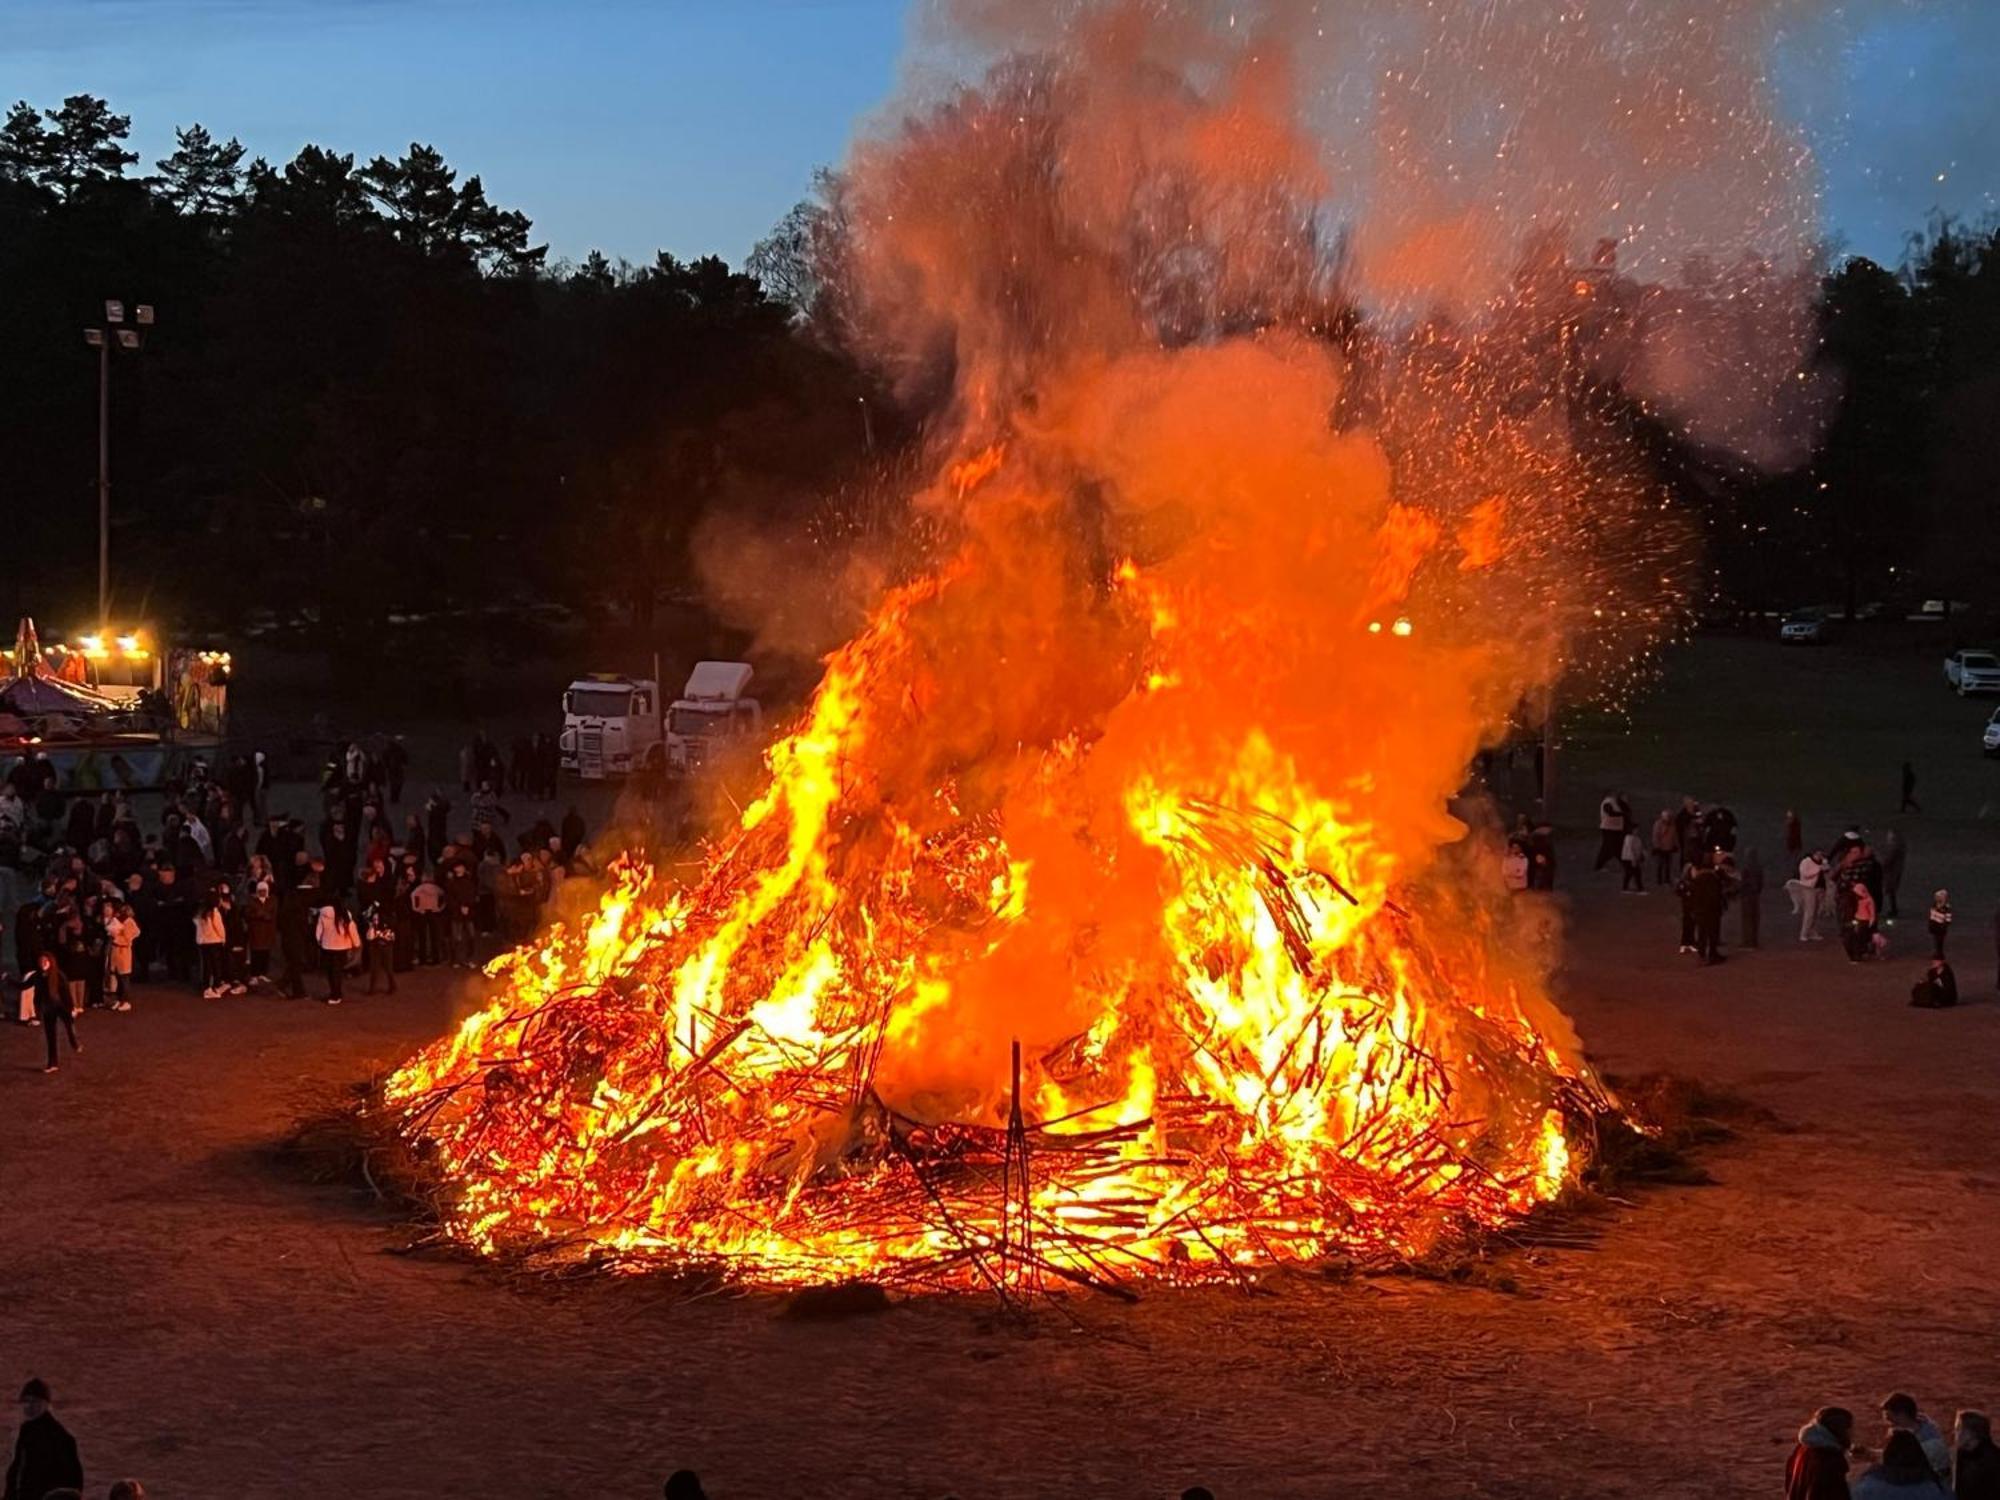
(1101, 916)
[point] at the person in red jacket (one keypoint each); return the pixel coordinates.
(1817, 1469)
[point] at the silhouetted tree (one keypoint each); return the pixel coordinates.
(86, 144)
(203, 177)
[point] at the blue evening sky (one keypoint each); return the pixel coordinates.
(690, 125)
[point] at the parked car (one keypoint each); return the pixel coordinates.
(1972, 672)
(1936, 611)
(1991, 738)
(1808, 627)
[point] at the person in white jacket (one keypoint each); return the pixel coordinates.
(337, 937)
(121, 931)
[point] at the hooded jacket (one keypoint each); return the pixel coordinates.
(1818, 1466)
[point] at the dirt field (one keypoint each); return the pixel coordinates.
(217, 1326)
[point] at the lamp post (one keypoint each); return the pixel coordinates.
(116, 332)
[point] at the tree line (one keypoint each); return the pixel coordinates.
(369, 393)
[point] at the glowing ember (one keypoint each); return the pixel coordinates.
(1102, 916)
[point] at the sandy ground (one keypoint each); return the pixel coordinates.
(217, 1325)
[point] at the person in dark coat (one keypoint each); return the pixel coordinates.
(1909, 802)
(1706, 899)
(45, 1457)
(1750, 893)
(53, 1007)
(296, 910)
(1817, 1469)
(684, 1484)
(1975, 1461)
(1895, 855)
(395, 766)
(173, 913)
(437, 823)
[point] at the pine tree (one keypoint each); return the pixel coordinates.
(203, 177)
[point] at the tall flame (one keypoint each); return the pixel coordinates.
(1102, 914)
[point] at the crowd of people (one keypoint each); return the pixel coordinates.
(1849, 888)
(1916, 1459)
(228, 894)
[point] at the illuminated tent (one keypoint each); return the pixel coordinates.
(33, 692)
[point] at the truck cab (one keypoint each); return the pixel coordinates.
(711, 714)
(611, 726)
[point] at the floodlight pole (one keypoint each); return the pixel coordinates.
(103, 483)
(133, 338)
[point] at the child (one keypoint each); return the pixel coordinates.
(1940, 922)
(1632, 856)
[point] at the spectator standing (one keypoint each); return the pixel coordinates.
(381, 945)
(1909, 802)
(297, 910)
(211, 942)
(1895, 853)
(45, 1456)
(1817, 1469)
(1684, 888)
(121, 932)
(437, 824)
(427, 914)
(1610, 829)
(53, 1007)
(1795, 838)
(1750, 898)
(1631, 859)
(1975, 1461)
(1860, 923)
(1939, 922)
(1707, 896)
(1665, 842)
(175, 917)
(126, 1489)
(395, 767)
(260, 931)
(461, 904)
(1900, 1411)
(337, 937)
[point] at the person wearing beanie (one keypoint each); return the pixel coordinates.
(45, 1456)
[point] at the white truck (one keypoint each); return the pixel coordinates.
(611, 726)
(711, 713)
